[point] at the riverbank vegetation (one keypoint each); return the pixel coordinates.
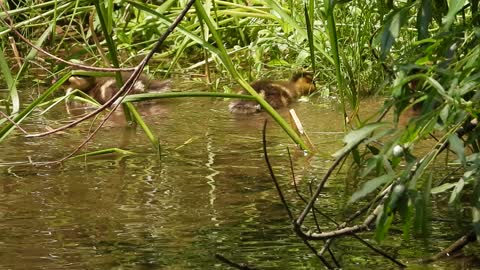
(422, 56)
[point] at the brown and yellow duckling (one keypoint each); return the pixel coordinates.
(103, 89)
(277, 93)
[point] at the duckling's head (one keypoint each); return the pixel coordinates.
(303, 83)
(84, 83)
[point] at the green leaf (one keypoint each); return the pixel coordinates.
(454, 6)
(456, 191)
(384, 222)
(370, 186)
(139, 120)
(456, 144)
(11, 84)
(442, 188)
(372, 163)
(423, 208)
(391, 30)
(309, 23)
(356, 136)
(424, 17)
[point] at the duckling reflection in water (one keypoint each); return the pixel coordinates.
(102, 89)
(277, 93)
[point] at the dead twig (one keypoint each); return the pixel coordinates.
(15, 51)
(471, 236)
(272, 174)
(240, 266)
(13, 122)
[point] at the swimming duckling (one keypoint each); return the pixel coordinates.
(103, 89)
(277, 93)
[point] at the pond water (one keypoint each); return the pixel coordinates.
(208, 193)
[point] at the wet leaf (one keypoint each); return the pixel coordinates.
(371, 164)
(356, 136)
(370, 186)
(391, 31)
(442, 188)
(454, 7)
(456, 191)
(457, 146)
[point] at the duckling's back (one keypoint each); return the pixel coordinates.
(277, 93)
(103, 89)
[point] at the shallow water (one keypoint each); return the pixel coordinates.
(208, 193)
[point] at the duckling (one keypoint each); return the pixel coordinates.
(277, 93)
(413, 112)
(103, 89)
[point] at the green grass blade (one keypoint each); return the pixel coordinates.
(309, 23)
(152, 96)
(139, 120)
(11, 84)
(8, 127)
(332, 35)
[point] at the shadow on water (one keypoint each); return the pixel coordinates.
(209, 193)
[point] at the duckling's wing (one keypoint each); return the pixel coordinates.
(277, 94)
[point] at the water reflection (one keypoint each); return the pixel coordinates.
(208, 193)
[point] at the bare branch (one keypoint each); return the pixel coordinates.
(13, 122)
(272, 174)
(471, 236)
(240, 266)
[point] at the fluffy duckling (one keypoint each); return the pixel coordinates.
(103, 89)
(277, 93)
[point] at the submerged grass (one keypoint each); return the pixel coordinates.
(103, 152)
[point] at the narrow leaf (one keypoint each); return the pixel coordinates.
(356, 136)
(456, 191)
(454, 6)
(370, 186)
(456, 144)
(7, 75)
(391, 30)
(443, 188)
(424, 17)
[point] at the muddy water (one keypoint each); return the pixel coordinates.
(208, 193)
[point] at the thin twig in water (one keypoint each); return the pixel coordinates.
(310, 204)
(381, 252)
(241, 266)
(282, 198)
(471, 236)
(326, 246)
(272, 174)
(313, 212)
(13, 122)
